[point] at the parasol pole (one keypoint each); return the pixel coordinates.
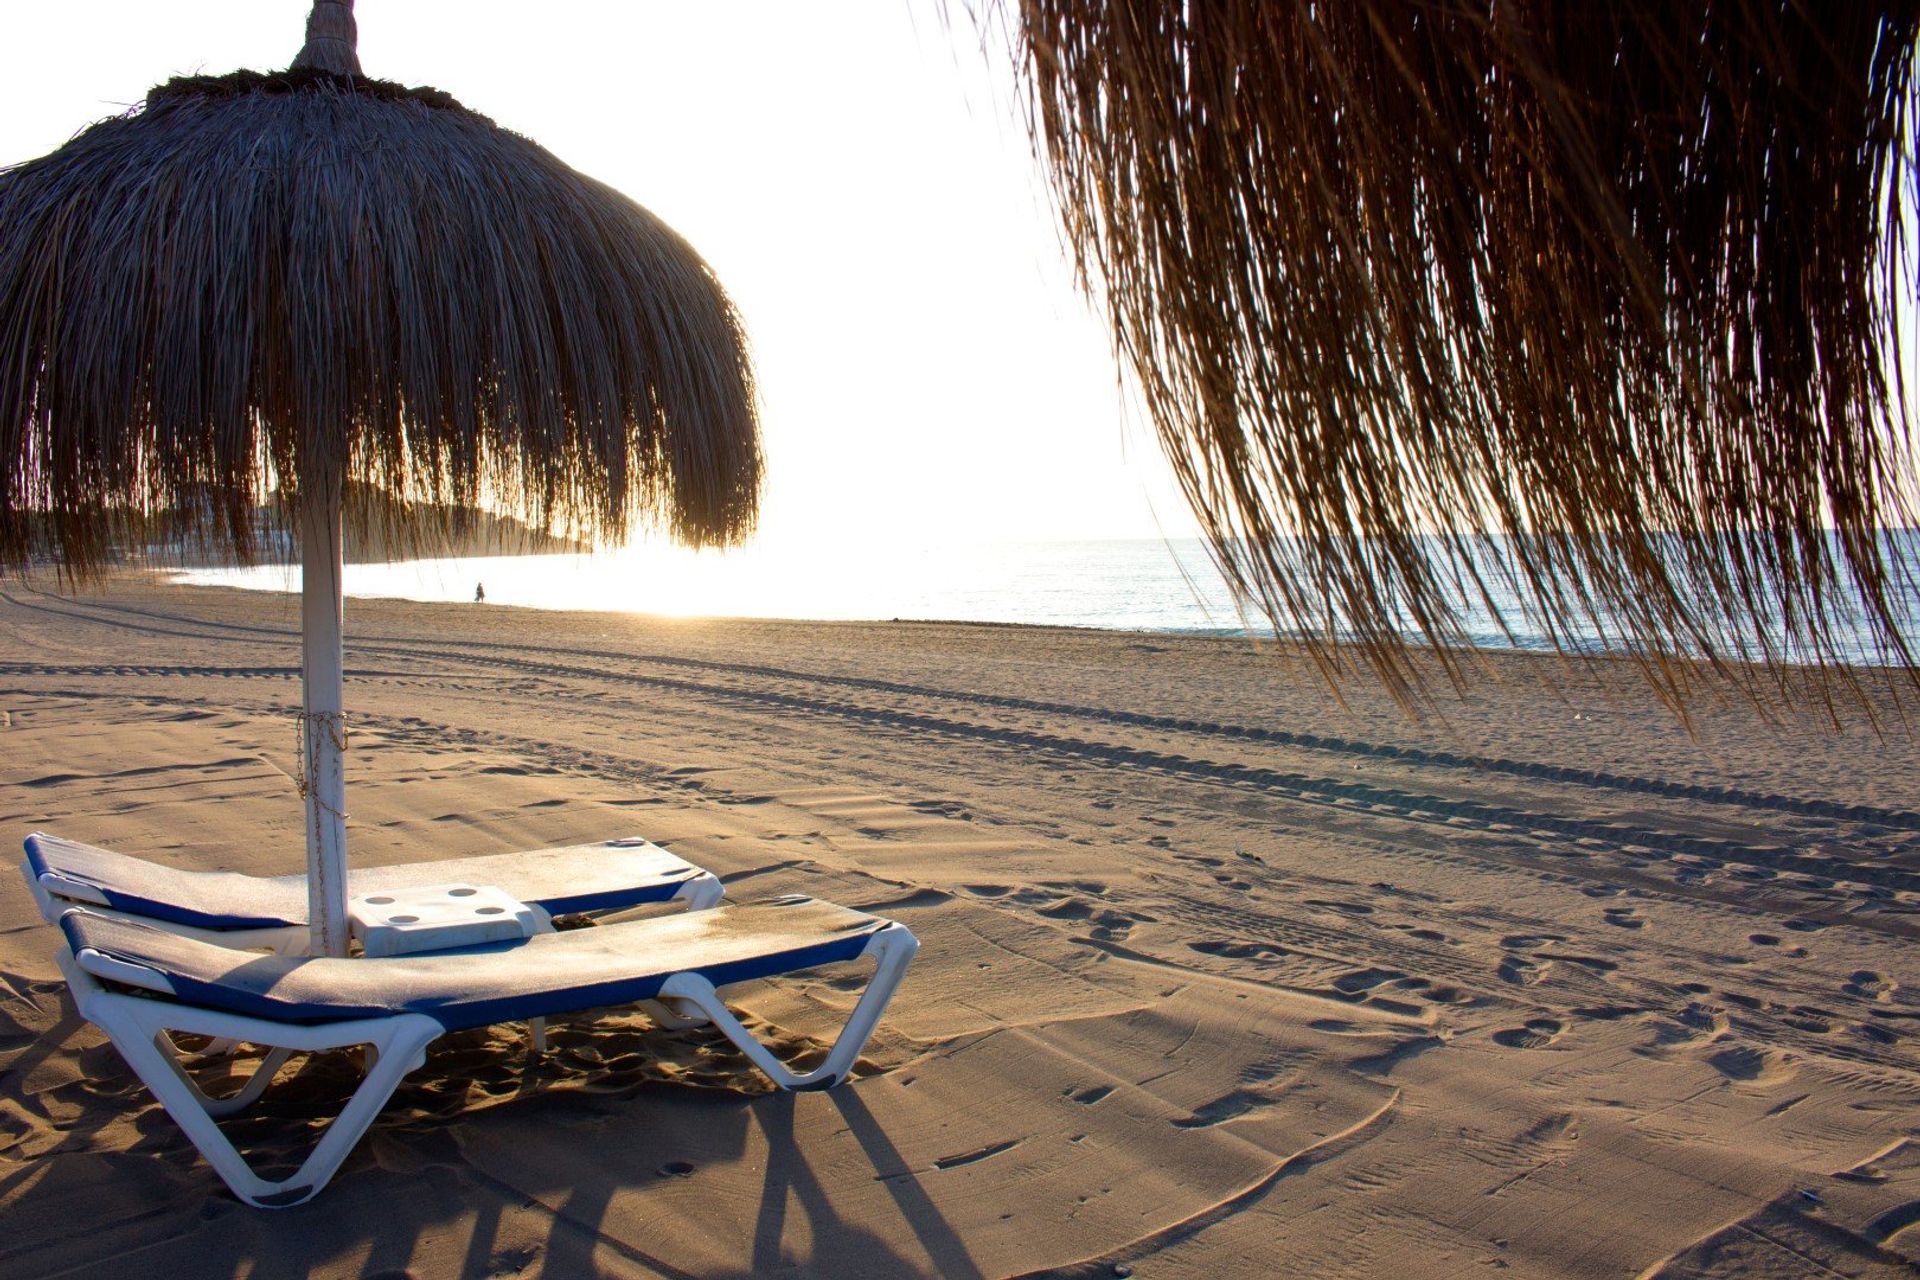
(330, 46)
(323, 722)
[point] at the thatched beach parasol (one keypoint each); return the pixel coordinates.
(1589, 310)
(306, 280)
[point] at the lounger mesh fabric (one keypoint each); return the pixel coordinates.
(590, 877)
(534, 977)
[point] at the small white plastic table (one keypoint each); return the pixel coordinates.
(439, 917)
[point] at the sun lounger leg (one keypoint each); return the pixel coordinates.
(702, 893)
(137, 1027)
(892, 948)
(672, 1015)
(256, 1084)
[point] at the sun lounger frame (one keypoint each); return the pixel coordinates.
(141, 1028)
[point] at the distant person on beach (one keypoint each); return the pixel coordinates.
(479, 593)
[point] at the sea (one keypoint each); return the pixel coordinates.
(1143, 584)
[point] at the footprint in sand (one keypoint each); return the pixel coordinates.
(1868, 985)
(1748, 1065)
(1103, 922)
(1363, 980)
(1110, 926)
(1705, 1018)
(1075, 886)
(1220, 1110)
(1537, 1034)
(1345, 908)
(942, 809)
(1592, 964)
(1806, 1017)
(1695, 1025)
(1625, 918)
(1239, 950)
(1523, 971)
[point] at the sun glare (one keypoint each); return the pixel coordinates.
(858, 182)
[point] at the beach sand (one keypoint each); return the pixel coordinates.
(1218, 977)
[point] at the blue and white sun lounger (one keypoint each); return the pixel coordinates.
(261, 911)
(139, 983)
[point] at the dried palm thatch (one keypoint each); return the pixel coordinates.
(1584, 311)
(261, 283)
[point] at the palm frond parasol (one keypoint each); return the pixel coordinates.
(304, 280)
(1587, 311)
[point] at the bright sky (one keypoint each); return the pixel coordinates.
(855, 173)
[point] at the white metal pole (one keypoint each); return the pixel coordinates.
(323, 724)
